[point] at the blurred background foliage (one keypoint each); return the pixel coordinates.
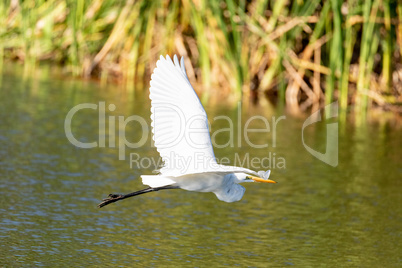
(302, 53)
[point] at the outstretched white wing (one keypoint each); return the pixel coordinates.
(179, 122)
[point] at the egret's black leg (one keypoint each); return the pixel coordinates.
(117, 197)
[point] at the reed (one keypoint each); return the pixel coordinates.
(308, 53)
(350, 39)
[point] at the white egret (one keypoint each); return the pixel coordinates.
(181, 135)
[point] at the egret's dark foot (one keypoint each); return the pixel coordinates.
(111, 199)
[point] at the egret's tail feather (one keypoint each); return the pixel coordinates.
(156, 180)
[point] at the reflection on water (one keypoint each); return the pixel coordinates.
(316, 214)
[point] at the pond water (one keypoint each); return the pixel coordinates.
(348, 215)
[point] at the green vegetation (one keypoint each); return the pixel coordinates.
(306, 52)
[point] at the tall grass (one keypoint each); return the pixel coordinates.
(308, 53)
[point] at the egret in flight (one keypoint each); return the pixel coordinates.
(181, 135)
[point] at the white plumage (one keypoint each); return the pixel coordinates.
(180, 131)
(179, 122)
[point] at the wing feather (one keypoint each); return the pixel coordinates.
(179, 121)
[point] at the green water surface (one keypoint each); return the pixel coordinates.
(317, 215)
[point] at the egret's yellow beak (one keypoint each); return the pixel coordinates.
(258, 179)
